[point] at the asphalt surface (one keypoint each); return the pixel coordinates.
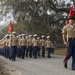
(41, 66)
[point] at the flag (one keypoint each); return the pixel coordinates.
(71, 12)
(10, 27)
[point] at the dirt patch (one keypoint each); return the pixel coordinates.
(3, 69)
(7, 69)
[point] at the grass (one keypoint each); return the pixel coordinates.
(57, 51)
(60, 51)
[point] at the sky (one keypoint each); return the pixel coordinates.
(6, 19)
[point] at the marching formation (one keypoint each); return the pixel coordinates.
(22, 46)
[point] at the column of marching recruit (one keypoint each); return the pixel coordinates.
(23, 46)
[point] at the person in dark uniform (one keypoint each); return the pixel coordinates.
(38, 38)
(32, 46)
(19, 46)
(29, 44)
(35, 46)
(9, 46)
(68, 33)
(3, 45)
(27, 50)
(5, 42)
(23, 46)
(13, 45)
(48, 45)
(42, 43)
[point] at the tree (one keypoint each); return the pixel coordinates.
(44, 17)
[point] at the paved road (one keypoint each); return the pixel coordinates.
(41, 66)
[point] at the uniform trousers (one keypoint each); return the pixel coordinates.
(19, 52)
(1, 51)
(35, 51)
(14, 49)
(8, 52)
(23, 49)
(43, 51)
(27, 50)
(49, 52)
(38, 51)
(30, 51)
(4, 51)
(71, 52)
